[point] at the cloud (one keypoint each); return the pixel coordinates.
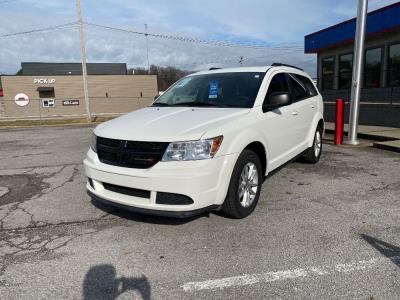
(272, 23)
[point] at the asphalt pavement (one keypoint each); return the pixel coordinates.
(325, 231)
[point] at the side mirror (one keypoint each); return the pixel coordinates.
(276, 100)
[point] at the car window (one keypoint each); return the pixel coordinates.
(278, 84)
(311, 90)
(298, 89)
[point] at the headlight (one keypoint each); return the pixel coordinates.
(192, 150)
(94, 143)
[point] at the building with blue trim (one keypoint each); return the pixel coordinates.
(334, 46)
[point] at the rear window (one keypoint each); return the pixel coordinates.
(308, 85)
(299, 91)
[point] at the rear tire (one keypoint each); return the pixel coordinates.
(313, 153)
(244, 187)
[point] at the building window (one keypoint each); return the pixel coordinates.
(373, 68)
(345, 70)
(47, 103)
(394, 65)
(328, 73)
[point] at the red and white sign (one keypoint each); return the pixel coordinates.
(21, 99)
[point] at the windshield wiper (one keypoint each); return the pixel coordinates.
(197, 104)
(161, 104)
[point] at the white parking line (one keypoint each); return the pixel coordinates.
(283, 275)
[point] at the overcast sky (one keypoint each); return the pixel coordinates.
(279, 26)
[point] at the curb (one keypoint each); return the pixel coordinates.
(366, 136)
(380, 141)
(48, 125)
(387, 146)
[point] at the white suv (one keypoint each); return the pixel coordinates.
(207, 142)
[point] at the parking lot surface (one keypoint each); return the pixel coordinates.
(329, 231)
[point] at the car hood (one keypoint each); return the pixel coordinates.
(167, 124)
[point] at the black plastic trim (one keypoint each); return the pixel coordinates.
(161, 213)
(126, 190)
(91, 182)
(173, 199)
(277, 64)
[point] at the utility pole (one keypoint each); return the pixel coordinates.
(147, 48)
(83, 59)
(357, 72)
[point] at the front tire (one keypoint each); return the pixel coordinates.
(244, 187)
(313, 153)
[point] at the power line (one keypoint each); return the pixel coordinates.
(222, 61)
(161, 36)
(193, 40)
(57, 27)
(282, 47)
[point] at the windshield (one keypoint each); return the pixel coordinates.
(237, 89)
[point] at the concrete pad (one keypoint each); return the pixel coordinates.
(4, 190)
(371, 132)
(324, 231)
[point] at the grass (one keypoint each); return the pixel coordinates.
(52, 122)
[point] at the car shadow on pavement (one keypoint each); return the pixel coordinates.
(390, 251)
(101, 283)
(137, 217)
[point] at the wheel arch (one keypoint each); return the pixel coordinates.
(321, 124)
(317, 121)
(251, 139)
(258, 148)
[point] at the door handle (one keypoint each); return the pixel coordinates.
(295, 113)
(312, 106)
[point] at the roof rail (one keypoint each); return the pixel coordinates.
(214, 68)
(285, 65)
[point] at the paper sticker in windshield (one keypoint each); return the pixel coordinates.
(183, 82)
(213, 90)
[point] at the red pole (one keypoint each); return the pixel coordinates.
(339, 122)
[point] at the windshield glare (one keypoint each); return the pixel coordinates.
(237, 89)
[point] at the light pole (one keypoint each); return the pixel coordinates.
(83, 60)
(357, 72)
(147, 48)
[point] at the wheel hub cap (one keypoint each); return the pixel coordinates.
(248, 185)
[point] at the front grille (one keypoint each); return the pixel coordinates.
(130, 154)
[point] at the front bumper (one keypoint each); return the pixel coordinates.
(204, 181)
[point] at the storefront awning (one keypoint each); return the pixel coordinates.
(45, 89)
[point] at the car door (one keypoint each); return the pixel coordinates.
(278, 125)
(312, 100)
(303, 108)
